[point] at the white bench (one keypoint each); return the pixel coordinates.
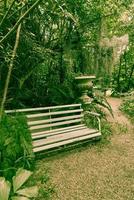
(57, 126)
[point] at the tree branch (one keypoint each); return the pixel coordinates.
(20, 20)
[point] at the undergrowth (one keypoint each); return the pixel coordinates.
(15, 145)
(106, 129)
(128, 108)
(92, 122)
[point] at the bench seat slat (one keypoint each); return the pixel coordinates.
(62, 137)
(55, 124)
(30, 123)
(51, 133)
(54, 113)
(57, 129)
(62, 143)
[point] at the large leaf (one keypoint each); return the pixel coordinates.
(19, 198)
(4, 189)
(20, 178)
(29, 192)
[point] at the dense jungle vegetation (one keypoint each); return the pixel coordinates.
(45, 44)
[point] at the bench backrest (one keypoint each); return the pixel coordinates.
(44, 119)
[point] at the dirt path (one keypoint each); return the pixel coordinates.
(119, 117)
(96, 172)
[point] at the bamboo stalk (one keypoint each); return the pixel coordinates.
(6, 14)
(20, 20)
(10, 70)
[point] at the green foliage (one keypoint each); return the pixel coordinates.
(58, 40)
(65, 93)
(128, 108)
(14, 190)
(98, 102)
(15, 145)
(106, 129)
(53, 45)
(123, 75)
(91, 121)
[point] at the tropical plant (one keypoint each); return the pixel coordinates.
(14, 190)
(97, 101)
(102, 101)
(15, 145)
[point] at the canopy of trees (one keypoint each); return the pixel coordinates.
(45, 44)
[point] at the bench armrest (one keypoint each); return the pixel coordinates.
(97, 116)
(92, 113)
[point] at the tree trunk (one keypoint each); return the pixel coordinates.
(118, 77)
(10, 71)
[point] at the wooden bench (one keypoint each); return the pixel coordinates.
(57, 126)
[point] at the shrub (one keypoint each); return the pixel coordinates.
(128, 108)
(15, 145)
